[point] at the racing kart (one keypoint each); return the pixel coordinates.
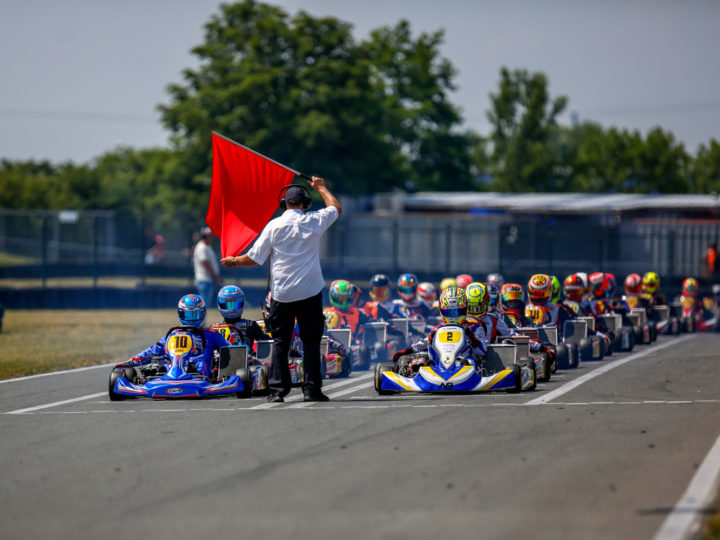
(449, 366)
(178, 379)
(665, 322)
(545, 366)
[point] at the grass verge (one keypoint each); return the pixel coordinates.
(39, 341)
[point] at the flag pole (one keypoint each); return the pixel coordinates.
(297, 173)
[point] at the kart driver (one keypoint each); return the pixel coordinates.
(453, 308)
(191, 313)
(231, 302)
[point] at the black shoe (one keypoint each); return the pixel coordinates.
(275, 399)
(315, 396)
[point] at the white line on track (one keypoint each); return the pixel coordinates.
(334, 395)
(382, 404)
(51, 373)
(56, 404)
(299, 395)
(564, 389)
(684, 519)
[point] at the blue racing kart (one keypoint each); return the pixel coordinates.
(177, 379)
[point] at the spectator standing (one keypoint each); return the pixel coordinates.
(205, 266)
(292, 241)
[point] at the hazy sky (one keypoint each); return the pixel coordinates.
(79, 77)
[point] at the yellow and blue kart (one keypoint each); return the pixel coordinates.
(451, 369)
(435, 379)
(177, 382)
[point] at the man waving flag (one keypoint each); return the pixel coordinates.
(244, 193)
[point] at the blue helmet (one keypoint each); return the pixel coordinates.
(231, 301)
(191, 310)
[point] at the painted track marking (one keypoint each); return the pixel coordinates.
(564, 389)
(56, 404)
(51, 373)
(299, 395)
(684, 519)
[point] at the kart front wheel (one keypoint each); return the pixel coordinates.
(115, 374)
(379, 369)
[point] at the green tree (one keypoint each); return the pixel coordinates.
(302, 91)
(523, 119)
(705, 169)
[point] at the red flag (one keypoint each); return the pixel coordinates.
(243, 195)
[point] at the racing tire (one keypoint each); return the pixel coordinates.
(653, 331)
(563, 356)
(585, 350)
(115, 374)
(379, 368)
(346, 367)
(517, 376)
(246, 381)
(531, 365)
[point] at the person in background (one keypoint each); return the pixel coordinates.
(205, 266)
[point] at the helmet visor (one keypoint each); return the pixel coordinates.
(408, 290)
(453, 313)
(190, 315)
(231, 305)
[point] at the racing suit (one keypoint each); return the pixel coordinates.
(205, 341)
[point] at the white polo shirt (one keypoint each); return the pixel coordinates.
(292, 241)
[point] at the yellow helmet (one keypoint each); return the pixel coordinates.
(650, 282)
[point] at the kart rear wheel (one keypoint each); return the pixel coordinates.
(379, 369)
(531, 365)
(563, 356)
(246, 381)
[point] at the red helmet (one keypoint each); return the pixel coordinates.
(599, 285)
(463, 280)
(690, 287)
(574, 287)
(540, 289)
(427, 291)
(633, 284)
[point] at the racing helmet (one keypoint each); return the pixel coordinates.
(612, 285)
(448, 282)
(633, 284)
(191, 310)
(407, 286)
(341, 294)
(427, 292)
(555, 288)
(585, 282)
(690, 287)
(231, 301)
(332, 319)
(494, 295)
(573, 287)
(478, 299)
(715, 289)
(540, 289)
(599, 285)
(380, 288)
(512, 298)
(463, 280)
(496, 279)
(453, 305)
(650, 282)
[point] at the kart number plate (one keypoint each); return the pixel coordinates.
(179, 344)
(450, 336)
(226, 333)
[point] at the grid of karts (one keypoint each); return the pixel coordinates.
(445, 368)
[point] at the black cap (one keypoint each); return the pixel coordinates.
(294, 195)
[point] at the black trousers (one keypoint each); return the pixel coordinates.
(281, 323)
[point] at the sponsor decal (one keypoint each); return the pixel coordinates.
(175, 390)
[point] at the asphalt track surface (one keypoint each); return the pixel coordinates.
(621, 448)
